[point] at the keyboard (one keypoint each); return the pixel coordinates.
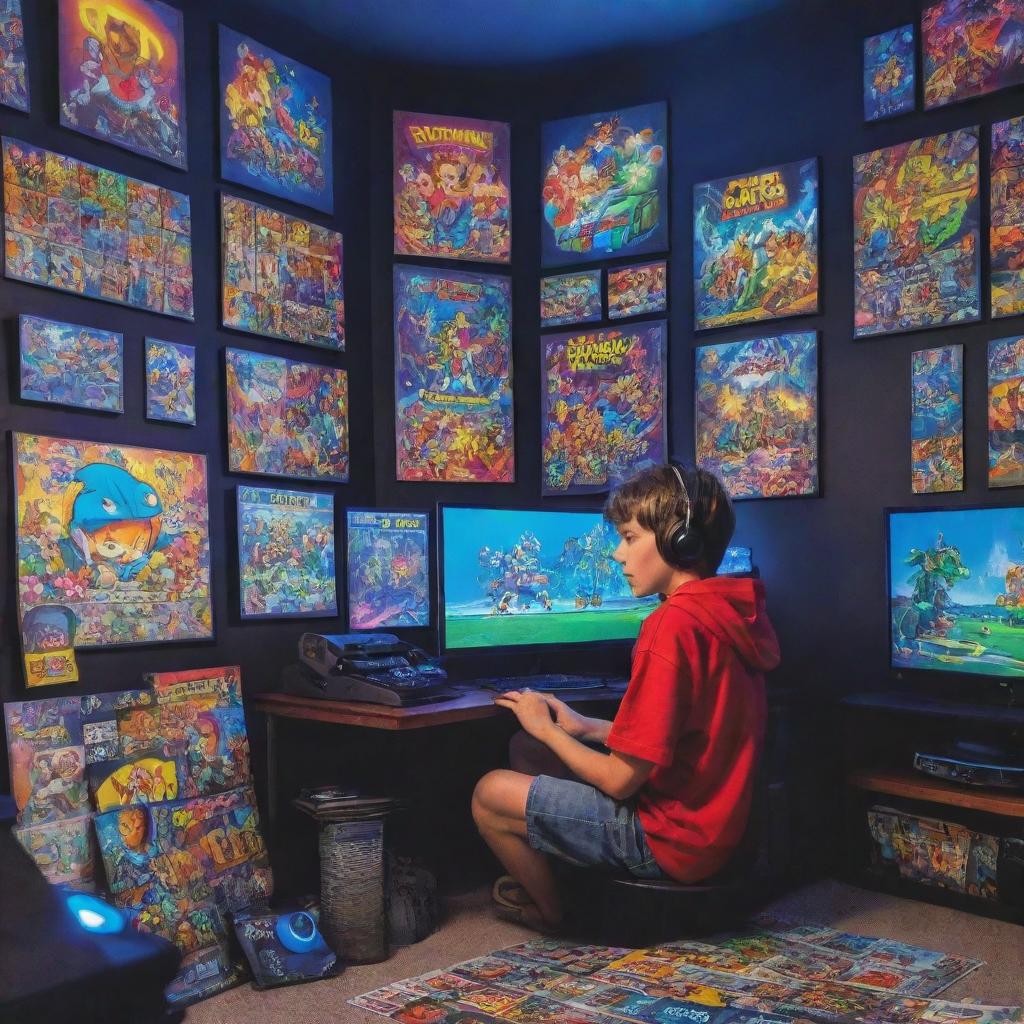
(550, 682)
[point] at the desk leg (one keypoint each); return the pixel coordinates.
(272, 794)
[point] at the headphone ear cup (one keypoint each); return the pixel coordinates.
(687, 545)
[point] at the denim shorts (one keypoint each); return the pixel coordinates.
(581, 825)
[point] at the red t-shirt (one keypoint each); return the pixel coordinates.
(695, 707)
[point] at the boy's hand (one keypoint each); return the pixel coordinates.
(574, 724)
(532, 709)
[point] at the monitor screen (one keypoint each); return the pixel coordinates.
(956, 590)
(736, 562)
(515, 577)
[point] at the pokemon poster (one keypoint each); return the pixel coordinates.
(122, 75)
(275, 123)
(603, 411)
(453, 376)
(642, 288)
(570, 298)
(889, 73)
(117, 534)
(13, 67)
(1006, 231)
(170, 382)
(1005, 412)
(937, 420)
(755, 245)
(451, 187)
(916, 235)
(605, 185)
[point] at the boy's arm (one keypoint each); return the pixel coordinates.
(580, 727)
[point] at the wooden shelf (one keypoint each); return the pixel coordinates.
(937, 707)
(921, 787)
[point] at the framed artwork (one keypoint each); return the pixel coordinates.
(13, 67)
(889, 73)
(1005, 413)
(67, 364)
(1006, 220)
(281, 275)
(755, 245)
(937, 420)
(170, 382)
(757, 415)
(79, 228)
(62, 850)
(117, 534)
(605, 186)
(122, 75)
(388, 569)
(275, 123)
(642, 288)
(451, 187)
(570, 298)
(286, 553)
(453, 376)
(286, 418)
(602, 407)
(916, 235)
(969, 48)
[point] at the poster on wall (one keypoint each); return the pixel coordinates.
(603, 407)
(451, 187)
(605, 186)
(937, 420)
(916, 235)
(275, 123)
(570, 298)
(889, 73)
(453, 376)
(1005, 412)
(1006, 220)
(117, 534)
(638, 289)
(79, 228)
(122, 75)
(170, 382)
(757, 415)
(286, 418)
(281, 275)
(755, 245)
(14, 66)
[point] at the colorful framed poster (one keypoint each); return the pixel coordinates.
(275, 123)
(937, 420)
(453, 376)
(13, 67)
(388, 569)
(286, 554)
(79, 228)
(281, 275)
(286, 418)
(451, 187)
(1005, 412)
(117, 534)
(969, 48)
(889, 73)
(570, 298)
(642, 288)
(67, 364)
(122, 75)
(603, 407)
(757, 415)
(605, 186)
(1006, 231)
(62, 850)
(170, 382)
(755, 245)
(916, 238)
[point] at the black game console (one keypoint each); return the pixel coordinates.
(974, 764)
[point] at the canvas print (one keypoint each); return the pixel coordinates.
(916, 243)
(122, 781)
(286, 418)
(67, 364)
(13, 65)
(642, 288)
(99, 721)
(1005, 412)
(275, 123)
(889, 73)
(48, 645)
(755, 245)
(285, 553)
(282, 275)
(451, 187)
(62, 850)
(570, 298)
(118, 534)
(937, 420)
(219, 687)
(1006, 230)
(602, 407)
(757, 415)
(388, 569)
(170, 381)
(605, 187)
(79, 228)
(969, 48)
(122, 75)
(453, 376)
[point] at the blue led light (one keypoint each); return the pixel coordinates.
(297, 932)
(94, 915)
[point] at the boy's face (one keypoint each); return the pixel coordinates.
(645, 570)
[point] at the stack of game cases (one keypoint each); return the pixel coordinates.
(334, 803)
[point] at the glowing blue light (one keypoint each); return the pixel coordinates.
(298, 932)
(94, 915)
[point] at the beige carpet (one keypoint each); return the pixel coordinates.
(470, 930)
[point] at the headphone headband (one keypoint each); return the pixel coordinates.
(683, 546)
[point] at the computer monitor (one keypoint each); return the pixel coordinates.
(736, 562)
(529, 578)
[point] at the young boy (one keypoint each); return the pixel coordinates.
(671, 795)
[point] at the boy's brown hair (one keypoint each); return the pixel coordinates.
(657, 501)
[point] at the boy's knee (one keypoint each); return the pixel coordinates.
(493, 795)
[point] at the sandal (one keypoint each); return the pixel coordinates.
(507, 892)
(530, 917)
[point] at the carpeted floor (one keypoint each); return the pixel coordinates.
(471, 930)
